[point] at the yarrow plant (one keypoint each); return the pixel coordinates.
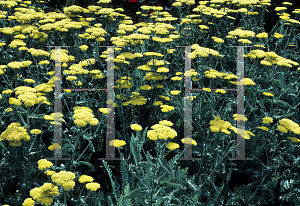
(160, 142)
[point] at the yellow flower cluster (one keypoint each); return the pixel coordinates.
(277, 35)
(221, 91)
(83, 47)
(56, 117)
(172, 145)
(77, 69)
(44, 194)
(104, 110)
(84, 115)
(166, 108)
(136, 127)
(85, 178)
(175, 92)
(218, 40)
(117, 143)
(268, 94)
(256, 53)
(145, 87)
(94, 32)
(18, 65)
(262, 35)
(14, 134)
(263, 128)
(267, 120)
(272, 58)
(28, 96)
(49, 172)
(35, 131)
(64, 179)
(204, 52)
(44, 164)
(137, 99)
(161, 131)
(245, 81)
(2, 69)
(189, 141)
(17, 42)
(288, 125)
(94, 186)
(242, 33)
(61, 53)
(27, 202)
(38, 52)
(124, 83)
(217, 124)
(214, 74)
(54, 146)
(192, 72)
(239, 117)
(86, 63)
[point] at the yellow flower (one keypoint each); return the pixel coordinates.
(27, 202)
(280, 8)
(175, 92)
(8, 91)
(176, 4)
(239, 117)
(8, 109)
(278, 36)
(268, 94)
(189, 141)
(219, 40)
(263, 128)
(71, 78)
(29, 80)
(104, 1)
(245, 41)
(85, 178)
(293, 139)
(43, 194)
(262, 35)
(64, 179)
(220, 90)
(84, 47)
(282, 129)
(172, 145)
(92, 186)
(35, 131)
(104, 110)
(136, 127)
(68, 90)
(117, 143)
(54, 146)
(49, 172)
(267, 120)
(43, 164)
(166, 123)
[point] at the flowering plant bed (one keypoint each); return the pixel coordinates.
(178, 108)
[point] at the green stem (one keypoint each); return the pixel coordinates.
(83, 152)
(88, 195)
(65, 198)
(79, 195)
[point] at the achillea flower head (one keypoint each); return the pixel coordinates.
(172, 145)
(136, 127)
(94, 186)
(117, 143)
(44, 164)
(65, 179)
(85, 178)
